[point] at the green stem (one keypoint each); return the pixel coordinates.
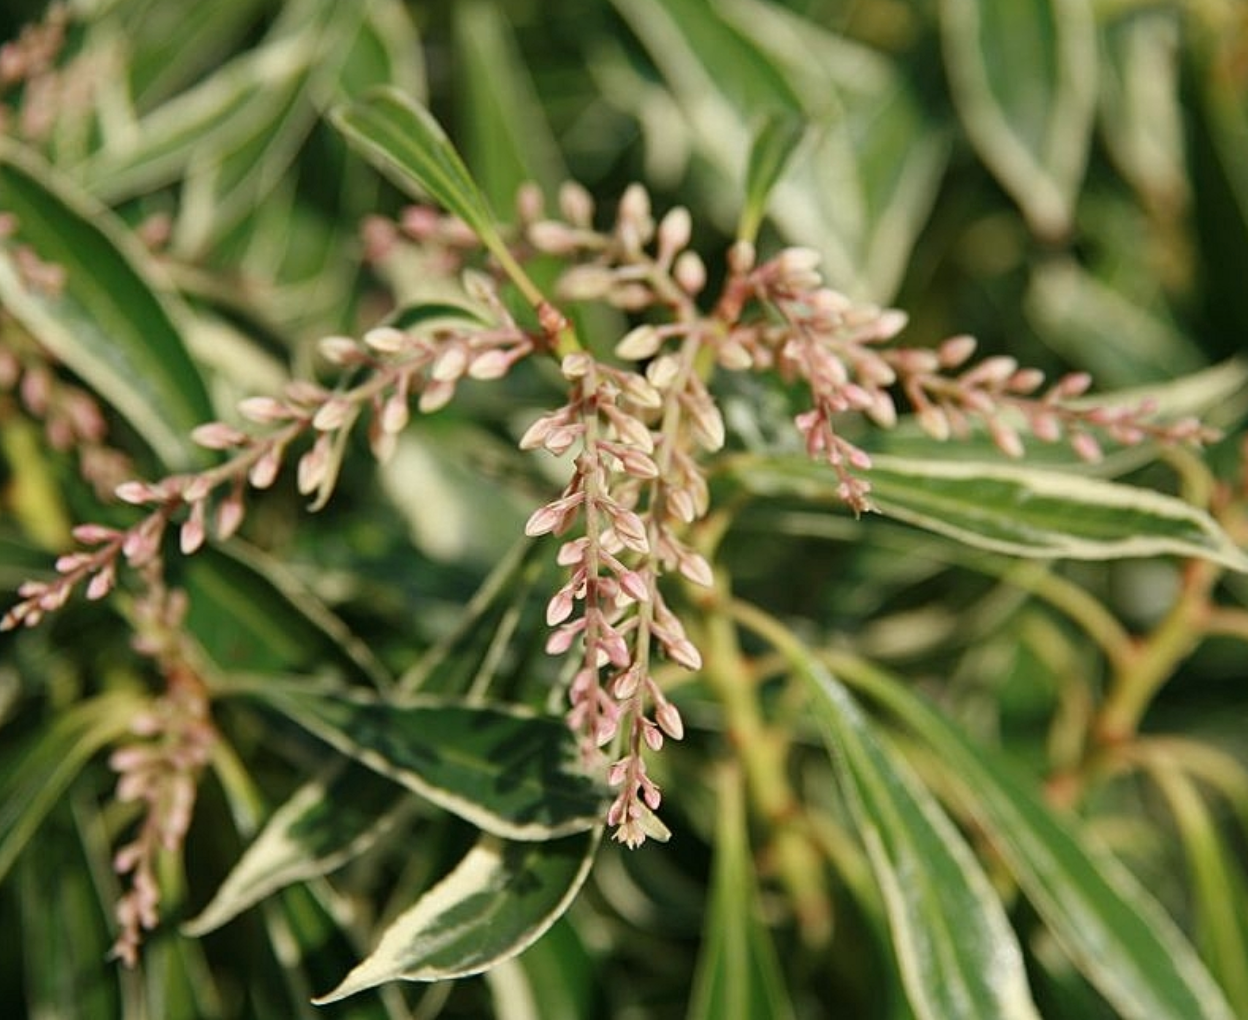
(763, 752)
(1136, 681)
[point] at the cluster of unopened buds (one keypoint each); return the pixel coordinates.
(637, 428)
(160, 768)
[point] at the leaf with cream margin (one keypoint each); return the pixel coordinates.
(328, 821)
(1022, 74)
(957, 953)
(1013, 509)
(1116, 933)
(506, 770)
(500, 899)
(112, 322)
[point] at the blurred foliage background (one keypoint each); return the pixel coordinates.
(1065, 179)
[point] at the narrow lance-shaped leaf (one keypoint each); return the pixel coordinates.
(31, 786)
(500, 899)
(402, 138)
(326, 823)
(773, 146)
(110, 322)
(1110, 926)
(1016, 510)
(508, 771)
(957, 953)
(1023, 78)
(738, 973)
(1219, 893)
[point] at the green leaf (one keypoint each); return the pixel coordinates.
(1219, 891)
(1016, 510)
(111, 323)
(402, 139)
(1104, 330)
(326, 823)
(957, 953)
(738, 974)
(218, 114)
(499, 900)
(1023, 78)
(769, 155)
(1111, 927)
(1141, 106)
(32, 785)
(507, 139)
(506, 770)
(250, 612)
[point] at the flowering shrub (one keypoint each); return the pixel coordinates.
(646, 402)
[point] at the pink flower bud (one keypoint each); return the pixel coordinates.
(191, 536)
(669, 720)
(956, 350)
(639, 343)
(552, 237)
(675, 230)
(576, 366)
(216, 435)
(339, 350)
(492, 364)
(576, 204)
(229, 515)
(450, 364)
(690, 272)
(1087, 448)
(136, 493)
(386, 339)
(264, 470)
(436, 396)
(102, 583)
(394, 414)
(264, 410)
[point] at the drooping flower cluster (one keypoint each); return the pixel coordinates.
(639, 427)
(161, 768)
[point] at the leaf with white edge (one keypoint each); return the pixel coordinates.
(506, 770)
(738, 975)
(326, 823)
(500, 899)
(403, 140)
(1116, 933)
(1022, 74)
(31, 786)
(1027, 512)
(773, 147)
(216, 114)
(957, 953)
(1016, 510)
(111, 322)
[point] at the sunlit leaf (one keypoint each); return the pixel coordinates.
(402, 138)
(769, 155)
(499, 900)
(1017, 510)
(1113, 929)
(1023, 78)
(957, 953)
(507, 139)
(327, 822)
(1220, 895)
(505, 770)
(738, 975)
(111, 322)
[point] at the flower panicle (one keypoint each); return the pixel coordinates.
(395, 368)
